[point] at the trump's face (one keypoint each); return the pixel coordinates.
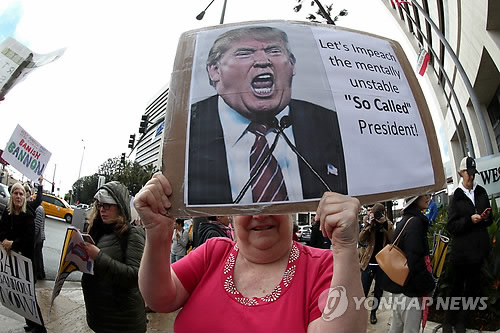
(254, 77)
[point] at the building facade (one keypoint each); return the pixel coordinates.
(462, 38)
(149, 144)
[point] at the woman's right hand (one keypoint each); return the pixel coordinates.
(476, 218)
(152, 202)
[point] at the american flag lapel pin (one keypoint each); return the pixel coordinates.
(331, 169)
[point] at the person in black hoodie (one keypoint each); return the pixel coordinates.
(216, 226)
(470, 243)
(407, 312)
(317, 239)
(113, 301)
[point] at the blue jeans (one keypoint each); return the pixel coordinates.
(174, 258)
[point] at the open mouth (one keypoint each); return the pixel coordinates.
(262, 84)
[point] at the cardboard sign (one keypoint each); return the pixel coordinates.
(17, 287)
(26, 154)
(342, 110)
(489, 173)
(74, 257)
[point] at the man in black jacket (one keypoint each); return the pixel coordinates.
(468, 220)
(317, 239)
(216, 226)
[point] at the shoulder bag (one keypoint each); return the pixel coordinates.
(392, 260)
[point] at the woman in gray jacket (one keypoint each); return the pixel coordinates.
(112, 298)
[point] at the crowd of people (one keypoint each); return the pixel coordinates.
(253, 267)
(21, 231)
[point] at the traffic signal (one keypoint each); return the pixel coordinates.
(144, 124)
(131, 141)
(53, 186)
(123, 158)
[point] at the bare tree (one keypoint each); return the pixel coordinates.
(322, 14)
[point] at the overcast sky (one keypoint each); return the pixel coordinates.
(119, 55)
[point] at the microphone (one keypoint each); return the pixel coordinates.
(286, 122)
(260, 166)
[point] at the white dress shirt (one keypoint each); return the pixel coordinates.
(469, 194)
(239, 141)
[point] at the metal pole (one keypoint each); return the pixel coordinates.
(54, 176)
(81, 162)
(465, 78)
(223, 12)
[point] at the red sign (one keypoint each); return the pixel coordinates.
(2, 161)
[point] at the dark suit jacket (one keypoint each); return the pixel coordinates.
(317, 138)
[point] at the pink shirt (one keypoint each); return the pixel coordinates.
(215, 305)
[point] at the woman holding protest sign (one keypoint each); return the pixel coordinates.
(264, 279)
(17, 233)
(112, 298)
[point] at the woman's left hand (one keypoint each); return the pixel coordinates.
(339, 220)
(92, 250)
(7, 245)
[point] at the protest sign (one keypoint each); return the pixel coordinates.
(489, 173)
(26, 154)
(17, 61)
(74, 257)
(17, 287)
(348, 116)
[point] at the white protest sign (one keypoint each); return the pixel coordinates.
(489, 173)
(17, 288)
(12, 56)
(75, 252)
(26, 154)
(345, 110)
(74, 257)
(377, 113)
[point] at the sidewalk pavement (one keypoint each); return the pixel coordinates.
(68, 314)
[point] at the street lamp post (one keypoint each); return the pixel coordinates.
(199, 17)
(81, 161)
(79, 172)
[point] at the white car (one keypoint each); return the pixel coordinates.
(304, 233)
(82, 206)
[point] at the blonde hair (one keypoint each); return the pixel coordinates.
(10, 204)
(260, 33)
